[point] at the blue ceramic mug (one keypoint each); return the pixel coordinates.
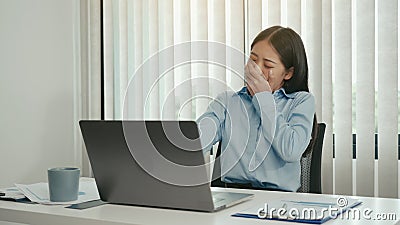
(63, 183)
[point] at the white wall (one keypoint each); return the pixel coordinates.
(37, 87)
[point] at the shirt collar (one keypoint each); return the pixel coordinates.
(279, 92)
(243, 91)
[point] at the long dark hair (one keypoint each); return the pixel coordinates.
(291, 51)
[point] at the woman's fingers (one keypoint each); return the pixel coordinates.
(255, 79)
(251, 72)
(255, 69)
(255, 72)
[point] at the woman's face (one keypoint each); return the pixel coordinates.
(265, 56)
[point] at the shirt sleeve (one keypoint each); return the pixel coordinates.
(211, 123)
(290, 136)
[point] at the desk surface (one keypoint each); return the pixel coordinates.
(120, 214)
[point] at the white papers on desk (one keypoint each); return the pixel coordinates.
(11, 193)
(39, 192)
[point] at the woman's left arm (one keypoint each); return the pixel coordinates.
(291, 135)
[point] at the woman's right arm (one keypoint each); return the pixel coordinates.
(212, 121)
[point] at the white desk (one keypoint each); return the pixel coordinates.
(118, 214)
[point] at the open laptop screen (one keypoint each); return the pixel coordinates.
(150, 163)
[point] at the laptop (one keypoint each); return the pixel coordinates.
(152, 163)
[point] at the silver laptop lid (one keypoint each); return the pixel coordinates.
(148, 163)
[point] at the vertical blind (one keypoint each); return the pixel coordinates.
(352, 49)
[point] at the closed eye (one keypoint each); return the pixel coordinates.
(268, 67)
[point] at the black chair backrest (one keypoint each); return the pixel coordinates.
(216, 176)
(313, 177)
(311, 164)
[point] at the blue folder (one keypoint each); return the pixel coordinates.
(301, 205)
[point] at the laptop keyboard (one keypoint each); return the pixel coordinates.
(216, 198)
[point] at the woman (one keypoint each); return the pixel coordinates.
(266, 126)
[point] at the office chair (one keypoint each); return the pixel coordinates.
(310, 162)
(310, 166)
(216, 175)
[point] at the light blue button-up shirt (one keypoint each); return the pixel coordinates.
(262, 137)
